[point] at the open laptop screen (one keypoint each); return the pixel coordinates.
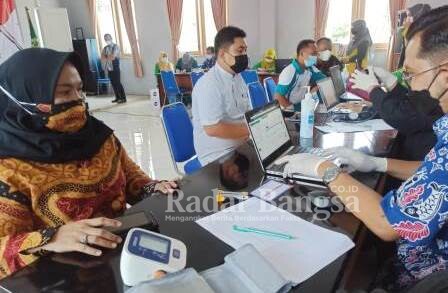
(268, 130)
(328, 93)
(338, 83)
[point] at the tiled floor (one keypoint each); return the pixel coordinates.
(140, 130)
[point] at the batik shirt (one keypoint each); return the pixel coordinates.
(418, 212)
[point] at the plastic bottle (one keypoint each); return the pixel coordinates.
(307, 115)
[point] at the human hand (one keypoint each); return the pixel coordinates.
(355, 159)
(363, 81)
(388, 79)
(304, 163)
(80, 235)
(165, 187)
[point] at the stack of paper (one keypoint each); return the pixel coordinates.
(344, 127)
(309, 249)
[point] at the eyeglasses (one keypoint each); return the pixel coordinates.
(408, 77)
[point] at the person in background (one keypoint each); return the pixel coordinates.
(413, 215)
(110, 58)
(220, 99)
(412, 14)
(359, 46)
(412, 113)
(187, 63)
(163, 64)
(267, 65)
(296, 76)
(64, 175)
(326, 59)
(210, 58)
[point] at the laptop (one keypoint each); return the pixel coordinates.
(281, 64)
(339, 85)
(271, 140)
(328, 94)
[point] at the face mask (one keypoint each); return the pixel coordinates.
(325, 55)
(209, 56)
(109, 42)
(311, 61)
(68, 117)
(241, 63)
(423, 101)
(164, 59)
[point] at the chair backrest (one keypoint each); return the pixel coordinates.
(179, 131)
(257, 95)
(169, 83)
(270, 86)
(249, 76)
(195, 76)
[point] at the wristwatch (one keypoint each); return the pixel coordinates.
(331, 174)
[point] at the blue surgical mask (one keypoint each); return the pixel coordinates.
(311, 61)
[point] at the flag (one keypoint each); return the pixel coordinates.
(10, 34)
(33, 35)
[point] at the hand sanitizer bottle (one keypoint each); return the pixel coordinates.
(307, 115)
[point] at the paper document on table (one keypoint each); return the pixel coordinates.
(296, 248)
(370, 125)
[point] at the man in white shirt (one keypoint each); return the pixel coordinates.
(220, 99)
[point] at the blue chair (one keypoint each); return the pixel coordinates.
(172, 91)
(257, 95)
(249, 76)
(270, 86)
(195, 76)
(100, 77)
(179, 134)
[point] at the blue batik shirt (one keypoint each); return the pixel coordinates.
(418, 212)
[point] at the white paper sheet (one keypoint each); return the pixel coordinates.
(312, 248)
(343, 127)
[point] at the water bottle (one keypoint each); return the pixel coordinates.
(307, 115)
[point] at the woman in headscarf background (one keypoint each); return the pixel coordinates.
(359, 46)
(63, 173)
(267, 64)
(163, 63)
(187, 63)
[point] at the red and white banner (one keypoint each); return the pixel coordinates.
(10, 34)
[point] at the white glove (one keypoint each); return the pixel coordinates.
(386, 78)
(363, 81)
(305, 164)
(356, 160)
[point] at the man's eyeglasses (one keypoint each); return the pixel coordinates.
(407, 77)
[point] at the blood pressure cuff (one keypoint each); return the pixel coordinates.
(244, 271)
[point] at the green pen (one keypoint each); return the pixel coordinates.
(272, 234)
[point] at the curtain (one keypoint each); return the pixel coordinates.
(321, 8)
(394, 7)
(128, 17)
(93, 20)
(175, 18)
(219, 8)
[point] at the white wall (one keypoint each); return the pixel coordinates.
(31, 4)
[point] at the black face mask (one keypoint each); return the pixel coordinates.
(241, 63)
(423, 100)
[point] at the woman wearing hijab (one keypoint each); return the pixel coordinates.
(268, 62)
(164, 64)
(186, 63)
(359, 46)
(63, 173)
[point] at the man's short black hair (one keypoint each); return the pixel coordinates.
(433, 30)
(324, 39)
(226, 36)
(304, 44)
(211, 49)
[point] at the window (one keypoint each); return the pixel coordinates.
(343, 12)
(110, 21)
(198, 27)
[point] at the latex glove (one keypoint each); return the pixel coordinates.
(305, 164)
(363, 81)
(355, 160)
(386, 78)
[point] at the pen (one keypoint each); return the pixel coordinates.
(237, 228)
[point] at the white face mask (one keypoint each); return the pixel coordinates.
(209, 56)
(109, 42)
(164, 59)
(325, 55)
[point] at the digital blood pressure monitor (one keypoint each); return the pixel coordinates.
(145, 252)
